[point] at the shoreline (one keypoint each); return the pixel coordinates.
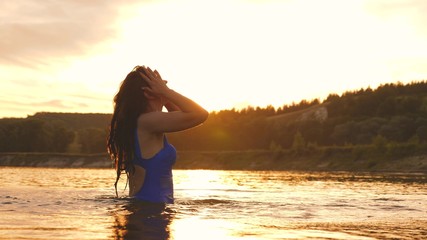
(55, 160)
(262, 160)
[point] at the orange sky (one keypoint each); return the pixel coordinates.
(70, 56)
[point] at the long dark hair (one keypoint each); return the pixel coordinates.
(129, 103)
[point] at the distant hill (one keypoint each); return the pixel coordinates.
(317, 113)
(75, 121)
(391, 115)
(383, 129)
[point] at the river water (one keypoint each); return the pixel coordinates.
(48, 203)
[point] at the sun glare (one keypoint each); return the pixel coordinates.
(231, 54)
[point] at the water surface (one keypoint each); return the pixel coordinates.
(47, 203)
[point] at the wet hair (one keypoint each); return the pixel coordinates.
(129, 103)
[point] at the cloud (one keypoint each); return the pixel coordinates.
(32, 31)
(28, 83)
(50, 104)
(92, 97)
(392, 6)
(412, 11)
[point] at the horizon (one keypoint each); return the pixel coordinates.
(71, 56)
(321, 101)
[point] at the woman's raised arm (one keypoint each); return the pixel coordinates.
(189, 114)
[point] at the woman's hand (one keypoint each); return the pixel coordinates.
(184, 114)
(157, 86)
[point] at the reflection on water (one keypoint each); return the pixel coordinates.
(80, 204)
(135, 219)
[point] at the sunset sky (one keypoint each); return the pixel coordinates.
(71, 55)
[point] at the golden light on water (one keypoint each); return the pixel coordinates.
(196, 228)
(201, 180)
(49, 203)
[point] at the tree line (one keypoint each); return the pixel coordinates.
(392, 114)
(395, 112)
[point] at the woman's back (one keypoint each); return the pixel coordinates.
(157, 183)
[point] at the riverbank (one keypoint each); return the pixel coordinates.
(330, 159)
(55, 160)
(267, 160)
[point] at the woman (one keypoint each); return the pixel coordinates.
(137, 141)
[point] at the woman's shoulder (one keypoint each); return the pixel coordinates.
(145, 121)
(151, 116)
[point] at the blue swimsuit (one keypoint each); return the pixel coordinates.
(158, 183)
